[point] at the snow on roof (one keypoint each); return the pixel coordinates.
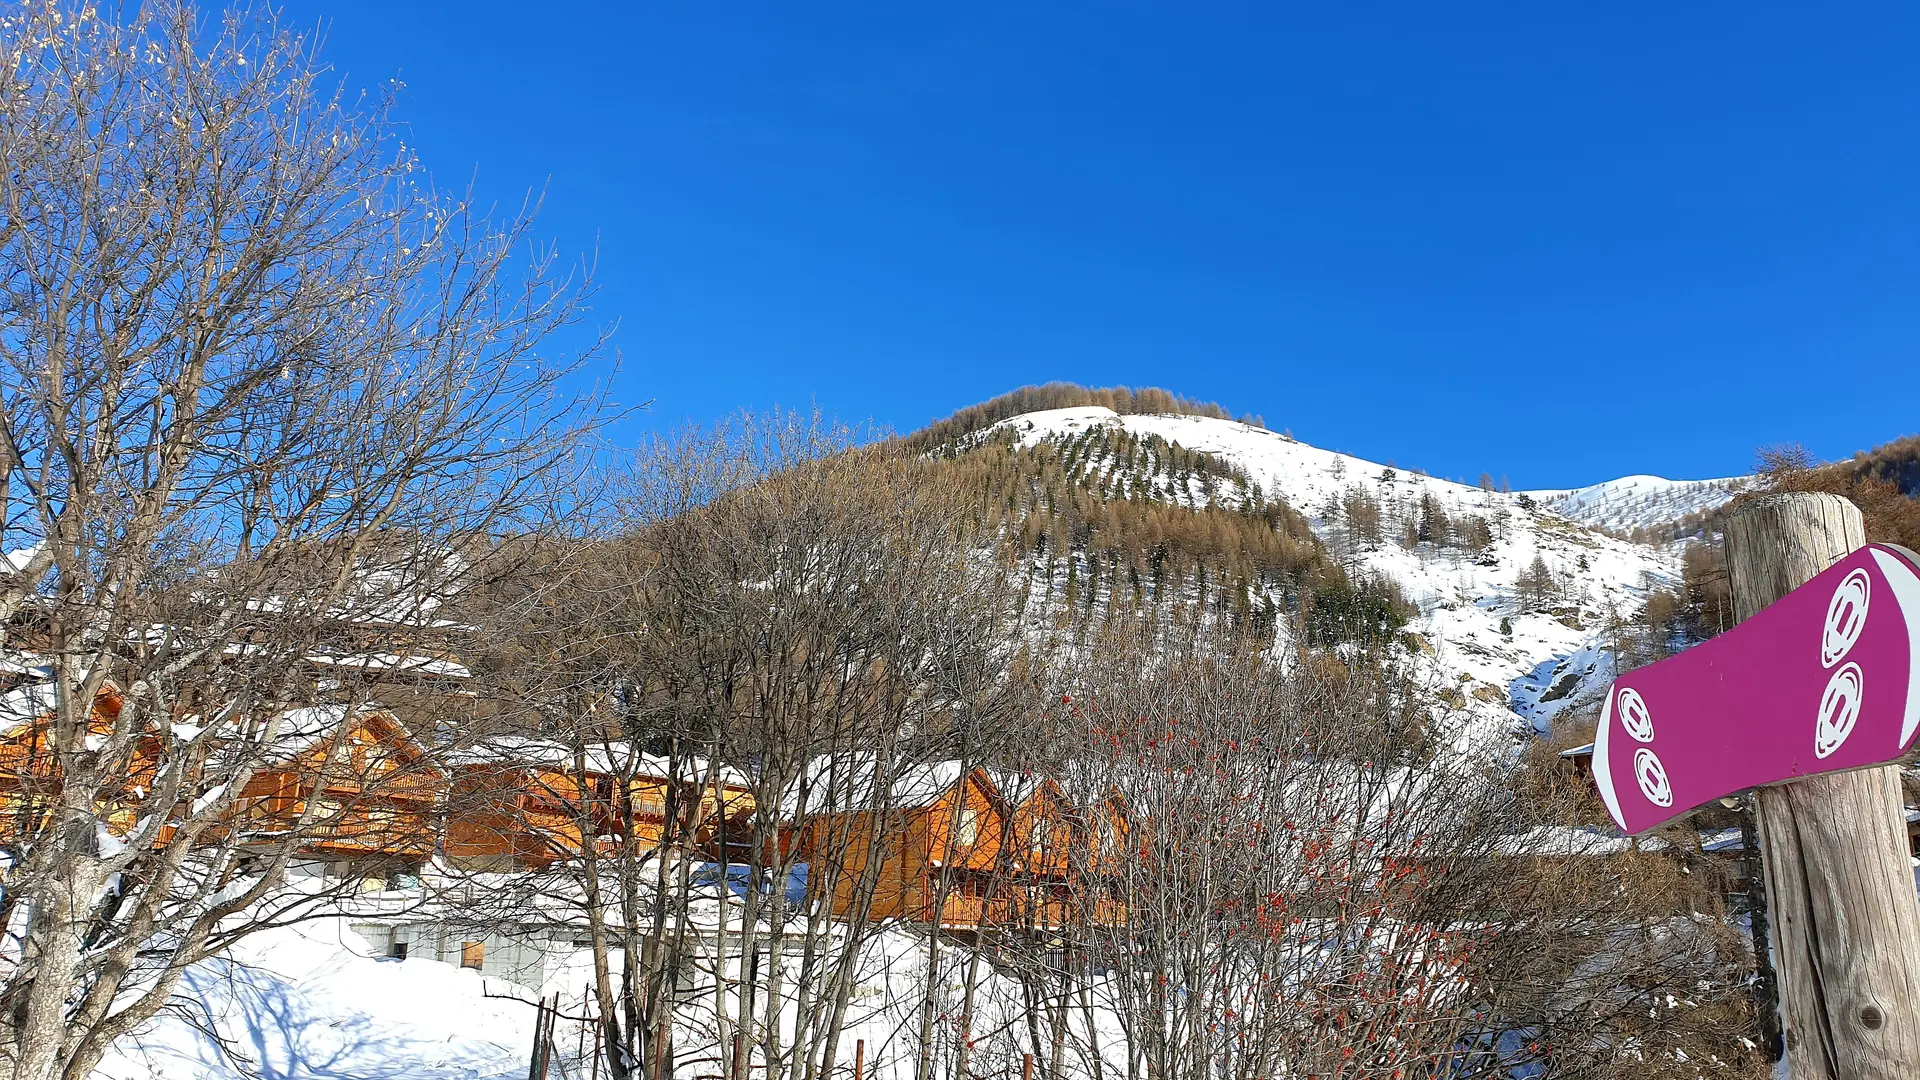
(1583, 750)
(382, 661)
(25, 704)
(843, 782)
(12, 663)
(17, 560)
(407, 593)
(1564, 841)
(1016, 787)
(526, 750)
(302, 729)
(611, 759)
(1721, 842)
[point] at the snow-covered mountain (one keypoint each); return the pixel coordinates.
(1633, 502)
(1505, 663)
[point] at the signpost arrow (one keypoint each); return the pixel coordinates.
(1826, 678)
(1817, 685)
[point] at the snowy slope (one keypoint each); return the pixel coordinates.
(1502, 682)
(309, 1002)
(1640, 501)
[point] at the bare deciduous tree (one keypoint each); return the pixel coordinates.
(259, 379)
(809, 616)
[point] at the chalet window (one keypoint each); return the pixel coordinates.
(397, 950)
(473, 954)
(650, 801)
(326, 814)
(1037, 838)
(969, 827)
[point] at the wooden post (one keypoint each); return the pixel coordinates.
(859, 1059)
(1026, 1067)
(1834, 847)
(534, 1068)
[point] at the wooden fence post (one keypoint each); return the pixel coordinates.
(1839, 882)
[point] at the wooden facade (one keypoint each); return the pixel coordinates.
(529, 805)
(967, 853)
(350, 783)
(506, 815)
(924, 854)
(30, 775)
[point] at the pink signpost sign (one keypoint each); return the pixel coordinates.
(1824, 679)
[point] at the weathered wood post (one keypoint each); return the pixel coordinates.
(1834, 847)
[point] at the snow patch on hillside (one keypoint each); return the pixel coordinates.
(1562, 684)
(1633, 502)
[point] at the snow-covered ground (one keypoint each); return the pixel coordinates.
(1500, 679)
(310, 1002)
(314, 1002)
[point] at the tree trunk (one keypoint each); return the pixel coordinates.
(1839, 882)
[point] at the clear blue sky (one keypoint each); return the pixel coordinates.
(1559, 241)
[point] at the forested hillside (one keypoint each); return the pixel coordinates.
(1107, 523)
(1184, 512)
(1059, 395)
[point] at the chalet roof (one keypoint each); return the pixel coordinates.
(526, 750)
(25, 704)
(301, 730)
(406, 589)
(612, 759)
(385, 661)
(1585, 750)
(36, 700)
(13, 663)
(1016, 786)
(845, 782)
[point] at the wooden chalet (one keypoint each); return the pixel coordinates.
(1043, 854)
(924, 851)
(528, 803)
(719, 800)
(523, 804)
(30, 777)
(1109, 830)
(725, 806)
(345, 783)
(966, 849)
